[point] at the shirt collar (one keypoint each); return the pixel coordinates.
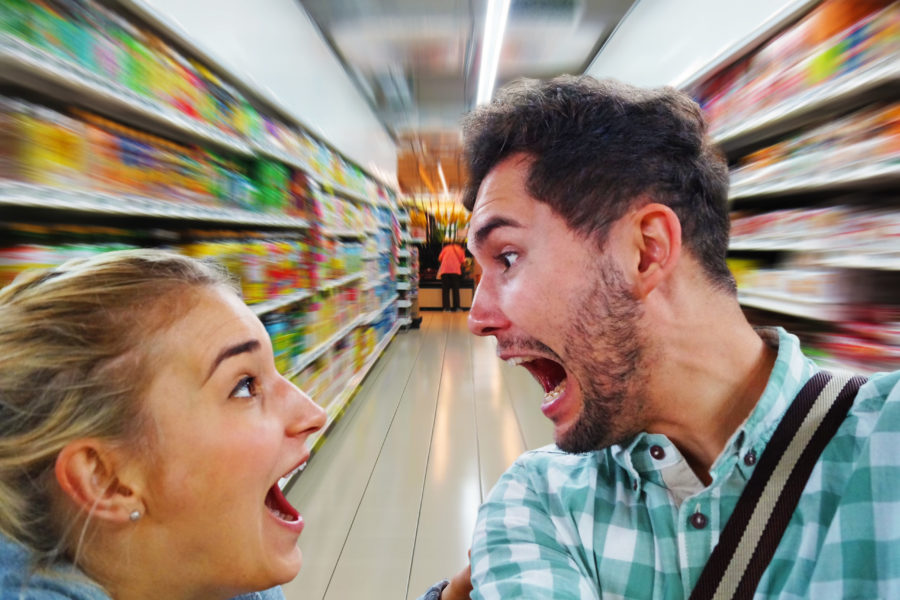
(791, 370)
(789, 373)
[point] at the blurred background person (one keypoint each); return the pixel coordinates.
(452, 258)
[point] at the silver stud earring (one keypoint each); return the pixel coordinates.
(135, 515)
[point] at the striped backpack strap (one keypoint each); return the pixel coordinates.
(763, 511)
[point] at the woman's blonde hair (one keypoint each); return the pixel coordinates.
(74, 348)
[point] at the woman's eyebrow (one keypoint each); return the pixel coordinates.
(248, 346)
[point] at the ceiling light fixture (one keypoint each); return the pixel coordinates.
(443, 179)
(494, 27)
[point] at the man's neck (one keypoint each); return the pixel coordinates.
(710, 379)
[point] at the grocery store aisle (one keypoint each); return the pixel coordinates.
(390, 497)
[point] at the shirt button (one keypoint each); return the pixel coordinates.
(698, 520)
(750, 458)
(657, 452)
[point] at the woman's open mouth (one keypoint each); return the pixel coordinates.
(279, 506)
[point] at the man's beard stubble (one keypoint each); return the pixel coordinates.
(606, 352)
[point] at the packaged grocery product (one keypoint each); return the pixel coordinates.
(53, 152)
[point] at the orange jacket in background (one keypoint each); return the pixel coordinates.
(452, 258)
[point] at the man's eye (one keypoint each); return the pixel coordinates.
(508, 259)
(246, 388)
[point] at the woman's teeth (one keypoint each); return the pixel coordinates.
(281, 515)
(556, 392)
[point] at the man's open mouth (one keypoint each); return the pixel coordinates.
(549, 373)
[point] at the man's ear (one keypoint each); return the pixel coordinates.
(86, 471)
(657, 237)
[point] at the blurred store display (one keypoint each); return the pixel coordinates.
(810, 122)
(115, 133)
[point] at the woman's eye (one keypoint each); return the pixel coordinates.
(508, 259)
(246, 388)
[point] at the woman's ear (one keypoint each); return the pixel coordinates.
(658, 240)
(86, 471)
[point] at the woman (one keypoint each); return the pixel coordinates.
(143, 432)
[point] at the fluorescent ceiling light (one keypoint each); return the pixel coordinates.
(494, 27)
(443, 179)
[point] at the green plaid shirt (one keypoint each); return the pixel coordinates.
(635, 522)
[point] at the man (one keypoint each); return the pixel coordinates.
(600, 219)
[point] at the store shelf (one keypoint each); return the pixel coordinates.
(842, 94)
(374, 282)
(403, 254)
(787, 13)
(64, 80)
(342, 281)
(269, 151)
(790, 305)
(174, 31)
(829, 141)
(343, 233)
(26, 195)
(402, 270)
(404, 322)
(344, 192)
(373, 316)
(411, 240)
(32, 71)
(335, 408)
(780, 244)
(855, 176)
(403, 285)
(404, 303)
(886, 261)
(276, 303)
(305, 359)
(828, 253)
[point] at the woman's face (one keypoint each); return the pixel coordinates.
(228, 427)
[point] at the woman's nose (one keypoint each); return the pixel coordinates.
(305, 416)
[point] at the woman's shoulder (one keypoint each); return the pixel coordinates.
(18, 581)
(25, 585)
(272, 594)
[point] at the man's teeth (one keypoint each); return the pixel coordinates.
(555, 392)
(518, 360)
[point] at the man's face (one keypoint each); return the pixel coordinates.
(560, 308)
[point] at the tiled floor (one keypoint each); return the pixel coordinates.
(390, 497)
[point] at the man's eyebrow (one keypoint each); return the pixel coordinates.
(248, 346)
(482, 233)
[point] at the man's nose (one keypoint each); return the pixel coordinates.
(485, 315)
